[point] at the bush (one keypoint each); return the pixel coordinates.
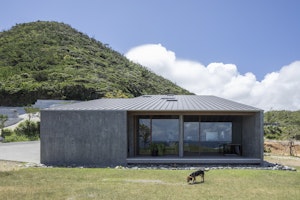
(28, 129)
(16, 138)
(6, 132)
(272, 132)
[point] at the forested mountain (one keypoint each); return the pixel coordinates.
(50, 60)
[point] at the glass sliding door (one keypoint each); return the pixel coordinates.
(205, 138)
(214, 135)
(165, 132)
(161, 132)
(191, 136)
(191, 139)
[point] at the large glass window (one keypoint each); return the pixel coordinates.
(216, 132)
(165, 131)
(158, 132)
(191, 136)
(199, 137)
(213, 135)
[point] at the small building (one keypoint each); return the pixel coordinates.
(152, 129)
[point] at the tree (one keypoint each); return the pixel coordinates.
(115, 94)
(30, 111)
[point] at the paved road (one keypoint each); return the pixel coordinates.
(20, 151)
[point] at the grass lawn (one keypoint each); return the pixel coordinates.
(105, 183)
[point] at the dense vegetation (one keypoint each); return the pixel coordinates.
(26, 131)
(50, 60)
(282, 124)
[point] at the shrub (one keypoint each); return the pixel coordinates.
(16, 138)
(272, 132)
(6, 132)
(267, 150)
(28, 129)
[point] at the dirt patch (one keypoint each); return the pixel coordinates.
(282, 148)
(282, 152)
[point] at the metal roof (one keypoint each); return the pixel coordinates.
(161, 103)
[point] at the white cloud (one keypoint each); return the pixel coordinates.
(154, 56)
(278, 90)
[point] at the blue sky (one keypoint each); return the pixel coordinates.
(258, 36)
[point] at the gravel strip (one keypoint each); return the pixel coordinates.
(266, 166)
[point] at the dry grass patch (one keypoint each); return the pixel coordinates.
(10, 165)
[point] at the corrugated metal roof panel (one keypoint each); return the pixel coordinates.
(161, 103)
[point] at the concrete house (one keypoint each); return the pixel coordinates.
(149, 129)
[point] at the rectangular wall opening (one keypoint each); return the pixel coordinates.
(201, 135)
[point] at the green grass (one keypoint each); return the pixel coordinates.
(69, 183)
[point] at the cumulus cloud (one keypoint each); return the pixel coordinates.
(278, 90)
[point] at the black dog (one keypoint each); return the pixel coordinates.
(192, 176)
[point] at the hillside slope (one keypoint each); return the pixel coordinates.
(282, 124)
(50, 60)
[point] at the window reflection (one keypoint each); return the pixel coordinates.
(165, 130)
(216, 131)
(205, 137)
(160, 130)
(144, 132)
(213, 135)
(199, 138)
(144, 136)
(191, 138)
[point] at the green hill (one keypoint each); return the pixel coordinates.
(50, 60)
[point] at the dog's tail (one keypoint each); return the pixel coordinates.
(205, 169)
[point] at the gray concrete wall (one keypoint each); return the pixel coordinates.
(252, 138)
(88, 138)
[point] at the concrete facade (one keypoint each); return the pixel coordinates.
(87, 138)
(252, 138)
